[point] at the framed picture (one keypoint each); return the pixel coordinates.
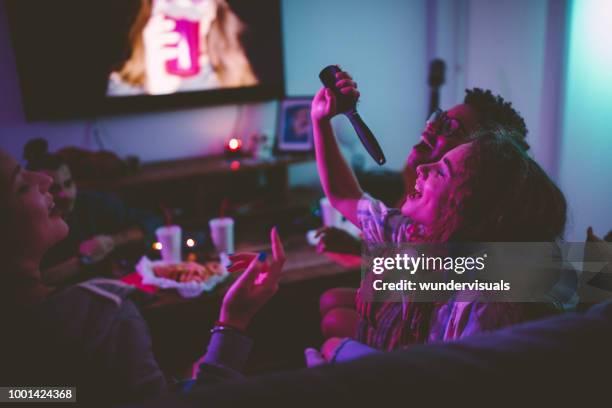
(294, 130)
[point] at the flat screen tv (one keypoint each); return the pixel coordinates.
(80, 58)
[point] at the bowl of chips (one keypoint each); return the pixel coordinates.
(190, 279)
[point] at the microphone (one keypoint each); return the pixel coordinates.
(348, 107)
(435, 79)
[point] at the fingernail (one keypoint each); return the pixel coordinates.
(262, 256)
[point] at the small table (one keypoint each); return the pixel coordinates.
(180, 327)
(303, 263)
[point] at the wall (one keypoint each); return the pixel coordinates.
(516, 49)
(505, 53)
(586, 151)
(381, 43)
(553, 60)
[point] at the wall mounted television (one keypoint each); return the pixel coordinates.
(89, 58)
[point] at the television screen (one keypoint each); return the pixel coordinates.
(86, 58)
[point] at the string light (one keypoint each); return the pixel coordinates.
(234, 144)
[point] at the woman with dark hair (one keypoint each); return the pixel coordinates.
(156, 43)
(487, 190)
(92, 336)
(497, 194)
(99, 223)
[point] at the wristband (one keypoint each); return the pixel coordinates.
(222, 326)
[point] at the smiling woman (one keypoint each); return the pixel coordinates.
(92, 335)
(29, 210)
(29, 227)
(487, 190)
(435, 182)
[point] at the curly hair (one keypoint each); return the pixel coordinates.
(493, 110)
(36, 152)
(503, 196)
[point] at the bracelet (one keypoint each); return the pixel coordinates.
(222, 326)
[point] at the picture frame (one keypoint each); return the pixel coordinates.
(294, 127)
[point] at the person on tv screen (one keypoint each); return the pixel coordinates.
(181, 46)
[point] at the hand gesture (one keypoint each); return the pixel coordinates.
(97, 248)
(324, 105)
(257, 284)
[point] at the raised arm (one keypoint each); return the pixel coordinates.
(337, 178)
(229, 346)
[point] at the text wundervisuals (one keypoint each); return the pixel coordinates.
(406, 285)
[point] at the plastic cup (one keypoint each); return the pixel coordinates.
(170, 238)
(188, 62)
(222, 234)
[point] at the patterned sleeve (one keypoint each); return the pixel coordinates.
(380, 224)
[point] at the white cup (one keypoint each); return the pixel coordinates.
(331, 216)
(222, 234)
(170, 238)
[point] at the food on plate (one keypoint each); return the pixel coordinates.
(188, 271)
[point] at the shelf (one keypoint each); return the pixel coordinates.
(175, 170)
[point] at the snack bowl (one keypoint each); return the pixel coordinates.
(146, 269)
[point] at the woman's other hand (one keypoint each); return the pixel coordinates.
(97, 248)
(333, 239)
(254, 288)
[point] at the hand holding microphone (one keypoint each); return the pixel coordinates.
(340, 96)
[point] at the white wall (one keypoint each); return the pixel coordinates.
(381, 43)
(586, 157)
(505, 53)
(505, 46)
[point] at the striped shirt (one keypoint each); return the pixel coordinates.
(392, 325)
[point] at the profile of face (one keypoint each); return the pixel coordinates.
(31, 224)
(436, 182)
(448, 130)
(63, 189)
